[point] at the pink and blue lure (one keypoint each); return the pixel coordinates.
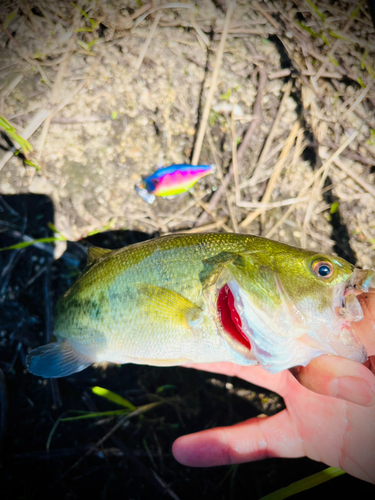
(172, 180)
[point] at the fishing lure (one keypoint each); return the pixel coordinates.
(171, 180)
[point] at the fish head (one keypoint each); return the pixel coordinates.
(293, 305)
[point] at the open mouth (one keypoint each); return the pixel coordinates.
(230, 318)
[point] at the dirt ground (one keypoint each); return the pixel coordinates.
(106, 92)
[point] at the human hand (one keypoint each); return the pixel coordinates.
(338, 432)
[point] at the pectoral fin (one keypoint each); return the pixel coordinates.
(165, 305)
(57, 359)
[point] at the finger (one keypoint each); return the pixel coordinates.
(338, 377)
(372, 364)
(365, 329)
(254, 374)
(224, 368)
(253, 439)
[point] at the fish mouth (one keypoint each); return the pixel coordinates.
(361, 281)
(229, 317)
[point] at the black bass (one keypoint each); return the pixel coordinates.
(200, 298)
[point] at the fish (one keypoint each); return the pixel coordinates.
(201, 298)
(172, 180)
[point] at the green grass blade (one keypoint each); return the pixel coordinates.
(324, 38)
(5, 124)
(315, 9)
(113, 397)
(96, 414)
(25, 244)
(305, 484)
(165, 387)
(126, 415)
(9, 19)
(32, 164)
(53, 228)
(11, 131)
(109, 226)
(335, 35)
(333, 61)
(53, 430)
(308, 29)
(356, 10)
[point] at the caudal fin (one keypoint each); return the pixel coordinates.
(57, 359)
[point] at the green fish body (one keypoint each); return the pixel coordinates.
(202, 298)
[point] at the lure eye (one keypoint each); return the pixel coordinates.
(322, 269)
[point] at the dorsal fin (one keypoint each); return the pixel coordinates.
(96, 253)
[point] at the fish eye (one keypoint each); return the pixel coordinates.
(322, 268)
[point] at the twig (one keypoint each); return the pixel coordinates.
(350, 154)
(34, 124)
(203, 36)
(148, 40)
(357, 178)
(175, 5)
(117, 426)
(275, 175)
(272, 204)
(32, 62)
(208, 227)
(58, 107)
(304, 191)
(282, 73)
(221, 177)
(206, 208)
(298, 150)
(11, 85)
(311, 72)
(330, 54)
(253, 127)
(192, 203)
(319, 184)
(235, 172)
(279, 166)
(82, 119)
(149, 474)
(271, 135)
(207, 106)
(358, 100)
(269, 18)
(54, 96)
(198, 63)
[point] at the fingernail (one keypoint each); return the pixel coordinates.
(353, 389)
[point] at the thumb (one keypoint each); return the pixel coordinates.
(338, 377)
(342, 378)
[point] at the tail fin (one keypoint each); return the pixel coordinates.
(57, 359)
